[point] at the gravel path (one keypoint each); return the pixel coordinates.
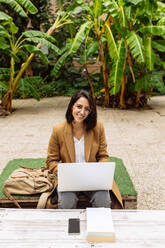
(135, 136)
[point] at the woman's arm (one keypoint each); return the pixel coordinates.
(53, 156)
(102, 154)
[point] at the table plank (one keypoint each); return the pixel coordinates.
(48, 229)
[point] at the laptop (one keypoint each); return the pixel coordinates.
(85, 176)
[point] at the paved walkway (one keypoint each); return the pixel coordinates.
(135, 136)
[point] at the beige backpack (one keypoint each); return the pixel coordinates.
(29, 181)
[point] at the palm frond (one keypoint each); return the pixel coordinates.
(135, 43)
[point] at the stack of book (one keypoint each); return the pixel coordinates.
(100, 225)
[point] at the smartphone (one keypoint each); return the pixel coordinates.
(74, 226)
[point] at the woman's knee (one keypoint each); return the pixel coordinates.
(101, 199)
(67, 200)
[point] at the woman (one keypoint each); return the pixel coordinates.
(80, 139)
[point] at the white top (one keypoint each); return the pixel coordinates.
(79, 150)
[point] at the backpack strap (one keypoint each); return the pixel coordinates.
(10, 197)
(44, 197)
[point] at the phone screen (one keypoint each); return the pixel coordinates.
(74, 226)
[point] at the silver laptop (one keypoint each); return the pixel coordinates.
(85, 176)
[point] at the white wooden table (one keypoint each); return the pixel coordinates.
(48, 229)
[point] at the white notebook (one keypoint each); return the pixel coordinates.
(100, 226)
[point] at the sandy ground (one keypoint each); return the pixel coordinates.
(135, 136)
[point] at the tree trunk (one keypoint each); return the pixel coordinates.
(138, 97)
(122, 100)
(6, 102)
(89, 80)
(105, 76)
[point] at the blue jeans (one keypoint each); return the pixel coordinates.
(68, 200)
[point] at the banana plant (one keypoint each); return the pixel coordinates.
(19, 48)
(92, 24)
(123, 33)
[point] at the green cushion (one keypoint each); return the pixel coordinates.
(121, 175)
(122, 178)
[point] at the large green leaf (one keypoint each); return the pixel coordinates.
(92, 48)
(39, 34)
(82, 6)
(4, 16)
(113, 52)
(159, 45)
(76, 11)
(15, 6)
(11, 54)
(112, 6)
(97, 8)
(155, 30)
(45, 42)
(59, 63)
(135, 43)
(117, 69)
(122, 17)
(149, 54)
(80, 36)
(150, 8)
(135, 2)
(28, 5)
(33, 49)
(128, 12)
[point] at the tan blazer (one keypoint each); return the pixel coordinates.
(61, 148)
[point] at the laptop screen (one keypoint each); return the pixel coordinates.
(85, 176)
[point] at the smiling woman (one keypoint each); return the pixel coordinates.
(80, 139)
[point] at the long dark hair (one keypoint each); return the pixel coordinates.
(91, 119)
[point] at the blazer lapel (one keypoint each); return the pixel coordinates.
(68, 136)
(88, 138)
